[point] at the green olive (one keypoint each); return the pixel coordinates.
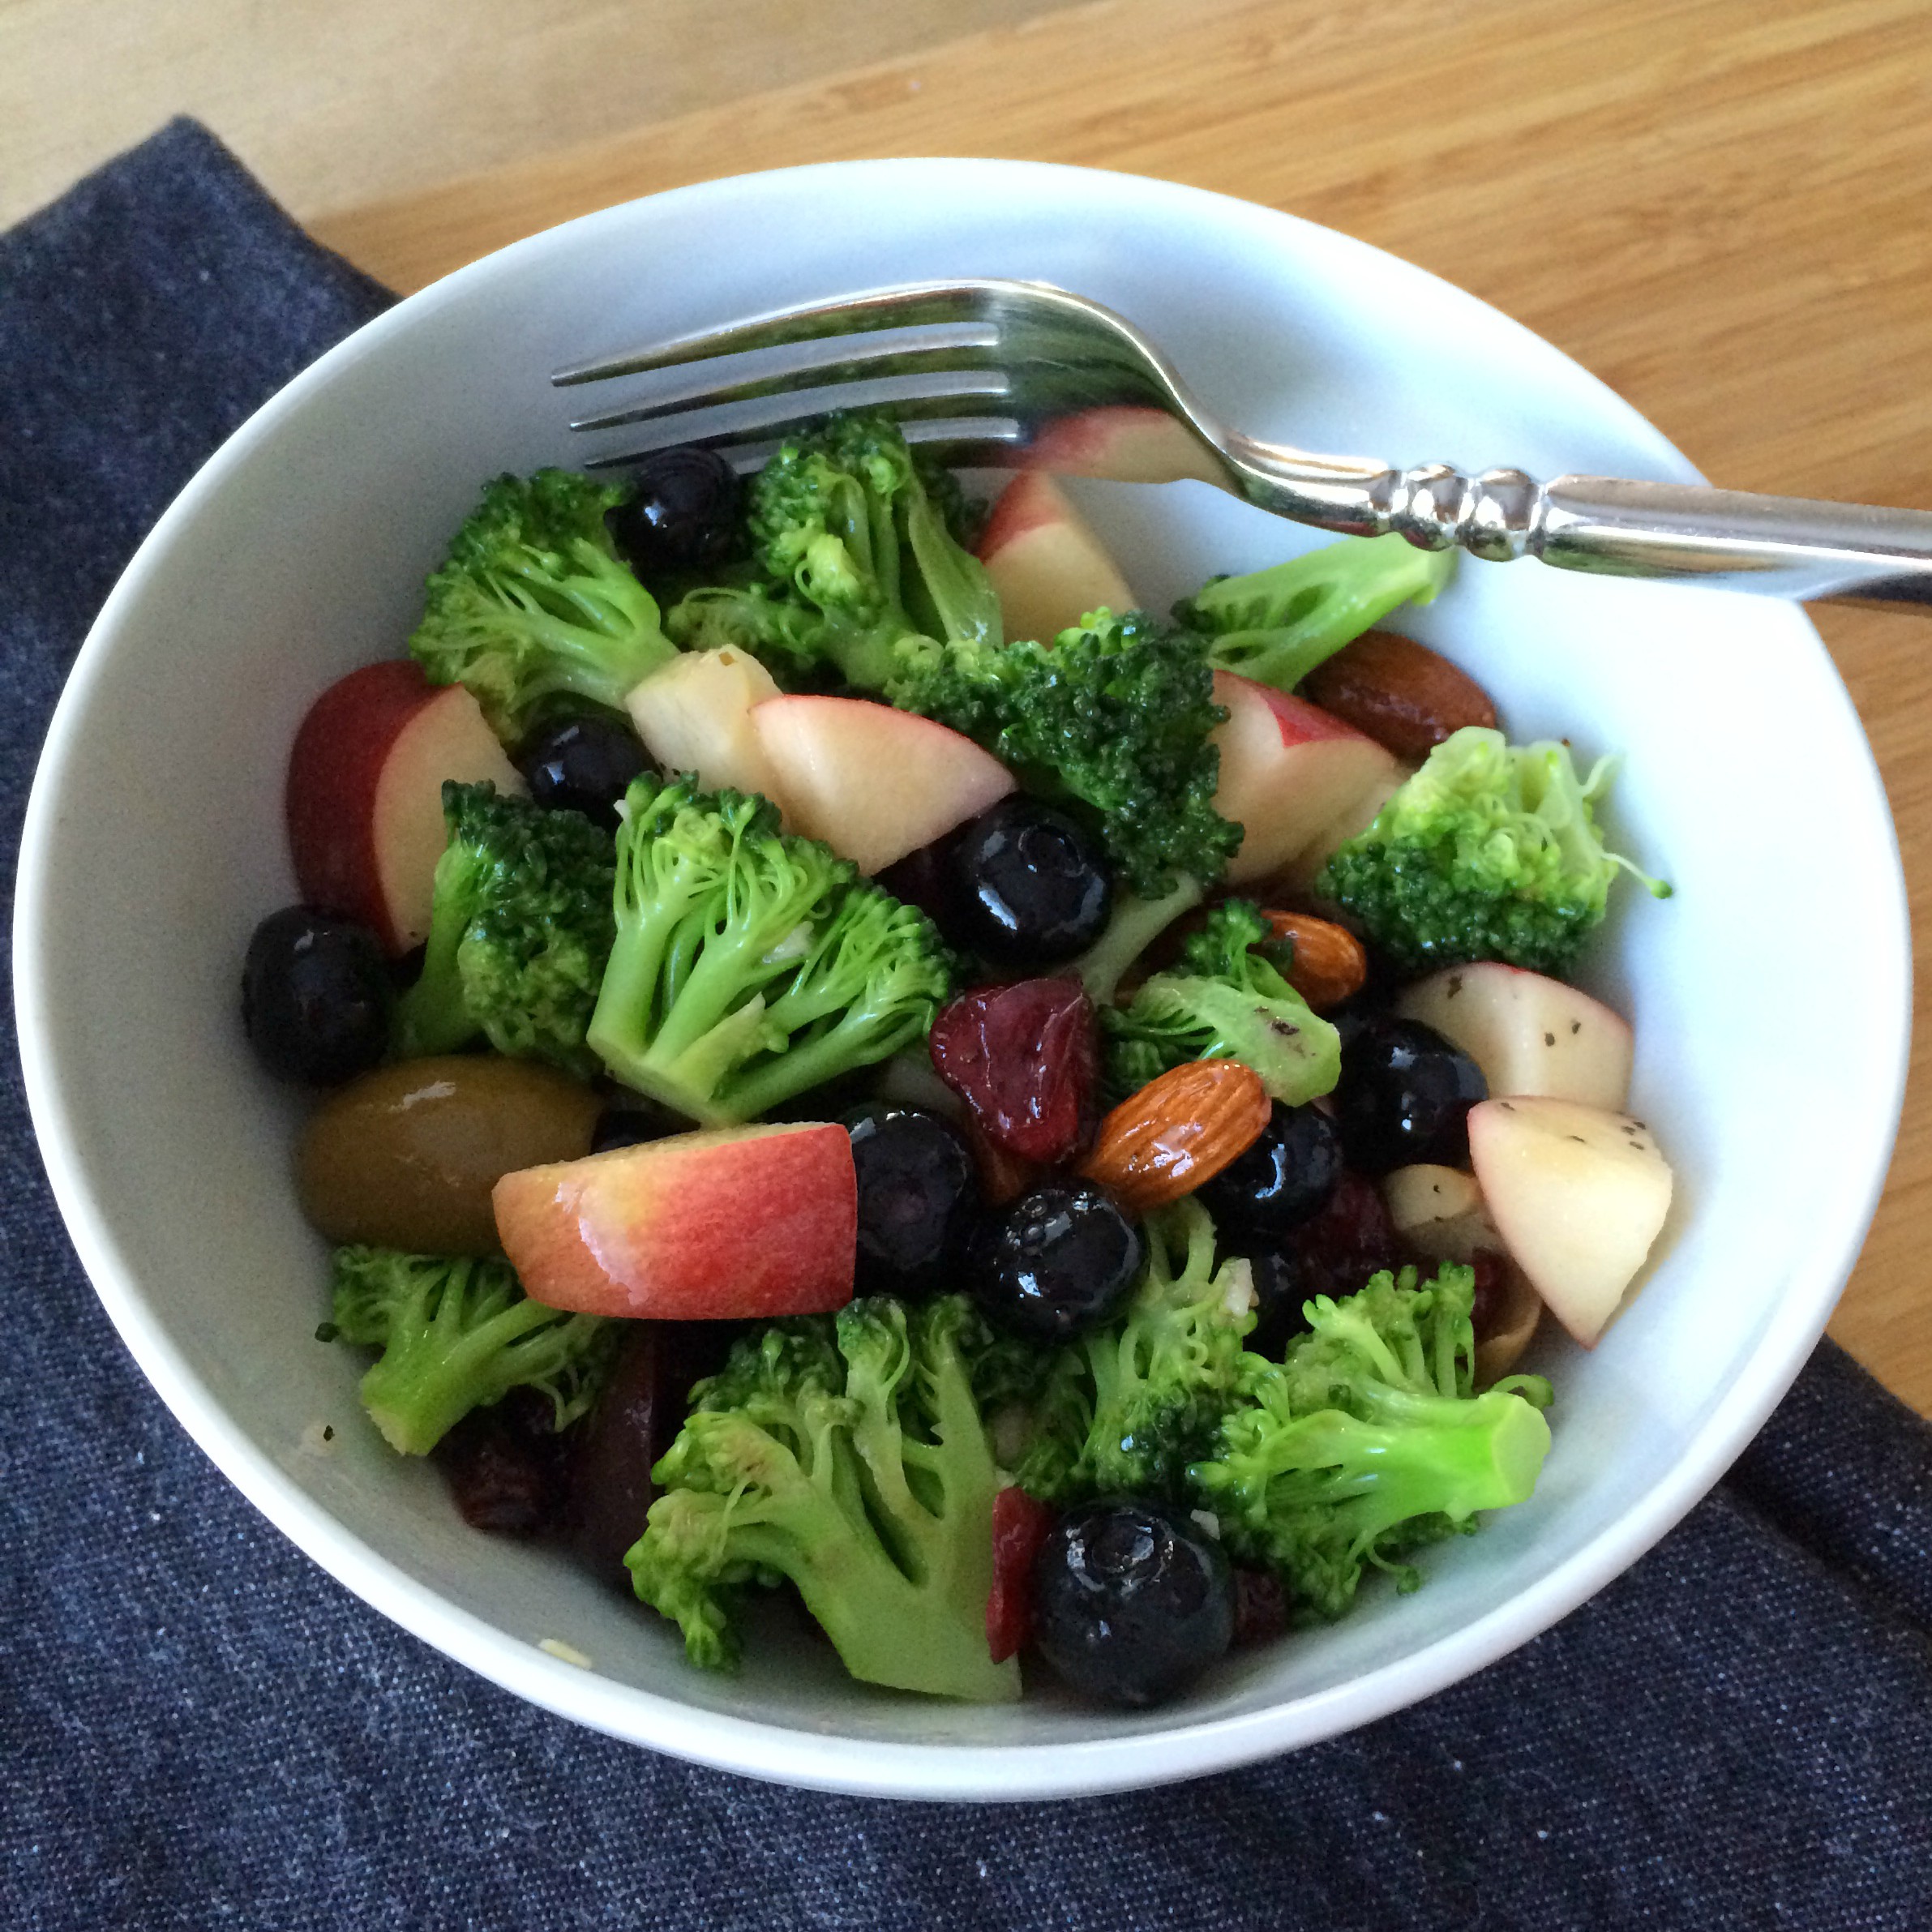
(405, 1157)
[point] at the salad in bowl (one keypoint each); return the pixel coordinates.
(160, 836)
(859, 1064)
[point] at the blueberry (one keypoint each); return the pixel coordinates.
(583, 764)
(682, 513)
(1404, 1096)
(316, 996)
(1283, 1178)
(1133, 1601)
(1029, 886)
(917, 1201)
(1057, 1261)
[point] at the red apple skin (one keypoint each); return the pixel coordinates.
(1288, 770)
(1124, 444)
(364, 800)
(1045, 562)
(731, 1223)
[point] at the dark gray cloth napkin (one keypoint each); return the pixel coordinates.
(199, 1728)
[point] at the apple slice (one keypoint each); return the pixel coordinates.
(364, 799)
(736, 1222)
(873, 782)
(1288, 770)
(1530, 1035)
(1126, 443)
(1439, 1212)
(1359, 816)
(1049, 567)
(695, 715)
(1578, 1194)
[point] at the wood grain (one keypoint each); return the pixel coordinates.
(1720, 208)
(331, 101)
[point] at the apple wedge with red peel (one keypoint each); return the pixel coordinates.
(1299, 876)
(873, 783)
(1529, 1034)
(1578, 1194)
(364, 799)
(735, 1223)
(695, 715)
(1124, 444)
(1288, 770)
(1046, 563)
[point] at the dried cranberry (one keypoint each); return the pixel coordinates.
(1350, 1240)
(1260, 1606)
(1489, 1306)
(1020, 1527)
(1025, 1060)
(504, 1465)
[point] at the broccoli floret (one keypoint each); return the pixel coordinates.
(1366, 1443)
(1126, 1407)
(533, 603)
(749, 966)
(1490, 851)
(457, 1336)
(1276, 625)
(848, 1455)
(853, 533)
(1225, 999)
(1116, 714)
(519, 928)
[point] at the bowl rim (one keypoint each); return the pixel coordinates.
(780, 1752)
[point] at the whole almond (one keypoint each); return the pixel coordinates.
(1180, 1129)
(1401, 694)
(1331, 963)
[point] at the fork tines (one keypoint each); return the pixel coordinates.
(917, 354)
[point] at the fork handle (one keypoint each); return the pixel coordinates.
(1784, 547)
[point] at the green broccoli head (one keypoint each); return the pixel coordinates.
(457, 1336)
(848, 1455)
(1276, 625)
(854, 534)
(521, 925)
(1490, 851)
(1126, 1407)
(1116, 714)
(533, 603)
(749, 966)
(1365, 1442)
(1225, 999)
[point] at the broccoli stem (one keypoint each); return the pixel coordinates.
(433, 1016)
(1134, 926)
(1276, 625)
(428, 1379)
(866, 660)
(887, 1629)
(1421, 1456)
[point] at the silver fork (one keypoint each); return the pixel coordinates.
(1020, 374)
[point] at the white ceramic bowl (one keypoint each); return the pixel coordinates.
(154, 843)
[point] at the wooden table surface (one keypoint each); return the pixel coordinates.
(1724, 208)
